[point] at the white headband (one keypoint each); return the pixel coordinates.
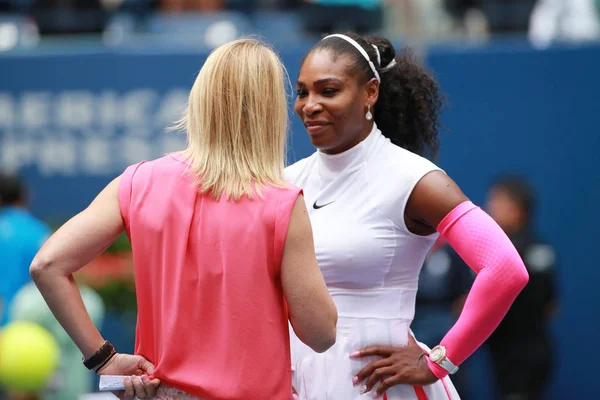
(362, 51)
(378, 55)
(390, 64)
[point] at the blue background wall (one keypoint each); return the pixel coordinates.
(72, 118)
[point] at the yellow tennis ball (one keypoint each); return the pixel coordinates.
(29, 356)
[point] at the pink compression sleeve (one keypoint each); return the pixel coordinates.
(501, 275)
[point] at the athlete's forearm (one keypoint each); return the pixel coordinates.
(74, 245)
(501, 275)
(64, 300)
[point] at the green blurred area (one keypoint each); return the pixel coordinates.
(118, 296)
(122, 244)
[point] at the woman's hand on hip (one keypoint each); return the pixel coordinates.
(399, 366)
(140, 384)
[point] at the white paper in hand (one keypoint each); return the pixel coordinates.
(111, 382)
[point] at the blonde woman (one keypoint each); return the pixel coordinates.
(222, 247)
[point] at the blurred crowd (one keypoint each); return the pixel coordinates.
(21, 237)
(544, 21)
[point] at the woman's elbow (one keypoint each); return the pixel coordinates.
(328, 338)
(519, 276)
(39, 267)
(326, 341)
(522, 278)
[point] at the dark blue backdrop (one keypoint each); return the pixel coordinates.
(69, 116)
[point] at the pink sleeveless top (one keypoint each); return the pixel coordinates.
(211, 312)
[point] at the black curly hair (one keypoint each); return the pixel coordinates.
(409, 104)
(12, 190)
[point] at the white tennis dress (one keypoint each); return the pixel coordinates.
(369, 259)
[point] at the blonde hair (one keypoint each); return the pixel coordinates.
(237, 120)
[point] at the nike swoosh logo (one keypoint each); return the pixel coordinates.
(316, 207)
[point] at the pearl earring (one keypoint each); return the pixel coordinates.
(368, 115)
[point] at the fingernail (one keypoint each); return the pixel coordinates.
(375, 395)
(354, 354)
(363, 390)
(295, 396)
(355, 380)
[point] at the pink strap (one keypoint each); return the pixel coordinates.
(501, 275)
